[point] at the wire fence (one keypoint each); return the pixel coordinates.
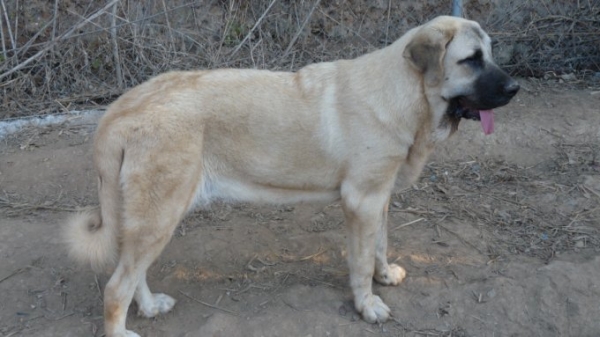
(57, 55)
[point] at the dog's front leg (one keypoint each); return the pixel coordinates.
(364, 217)
(386, 274)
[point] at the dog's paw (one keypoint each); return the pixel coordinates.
(392, 276)
(124, 333)
(160, 304)
(372, 309)
(130, 333)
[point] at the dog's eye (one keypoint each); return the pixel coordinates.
(474, 60)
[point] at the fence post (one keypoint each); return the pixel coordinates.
(457, 8)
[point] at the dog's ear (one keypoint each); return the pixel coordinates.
(426, 51)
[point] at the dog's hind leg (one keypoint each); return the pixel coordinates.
(156, 195)
(120, 289)
(139, 248)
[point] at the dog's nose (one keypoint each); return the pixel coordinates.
(512, 88)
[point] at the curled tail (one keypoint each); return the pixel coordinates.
(93, 235)
(90, 241)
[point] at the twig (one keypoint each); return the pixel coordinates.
(113, 33)
(64, 316)
(265, 263)
(10, 34)
(251, 267)
(293, 41)
(98, 288)
(18, 331)
(16, 21)
(252, 30)
(425, 333)
(509, 201)
(479, 319)
(460, 238)
(2, 38)
(36, 207)
(219, 299)
(319, 252)
(16, 272)
(316, 280)
(409, 223)
(591, 190)
(208, 305)
(387, 25)
(64, 296)
(308, 257)
(410, 210)
(169, 25)
(54, 21)
(243, 290)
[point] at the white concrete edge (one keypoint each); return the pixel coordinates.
(12, 126)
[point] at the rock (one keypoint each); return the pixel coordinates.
(569, 77)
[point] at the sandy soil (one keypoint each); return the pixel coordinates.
(500, 237)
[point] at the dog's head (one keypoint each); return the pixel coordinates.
(454, 57)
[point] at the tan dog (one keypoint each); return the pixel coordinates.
(331, 131)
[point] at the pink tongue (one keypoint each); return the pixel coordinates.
(487, 121)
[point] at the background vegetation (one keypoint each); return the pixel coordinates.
(65, 54)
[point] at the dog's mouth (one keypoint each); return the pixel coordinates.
(461, 107)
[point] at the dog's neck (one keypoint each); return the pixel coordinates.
(387, 81)
(403, 95)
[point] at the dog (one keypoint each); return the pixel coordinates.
(343, 130)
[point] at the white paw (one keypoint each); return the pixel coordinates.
(130, 333)
(123, 333)
(392, 276)
(372, 309)
(160, 304)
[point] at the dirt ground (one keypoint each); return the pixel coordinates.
(500, 237)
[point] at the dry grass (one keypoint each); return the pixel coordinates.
(550, 37)
(59, 55)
